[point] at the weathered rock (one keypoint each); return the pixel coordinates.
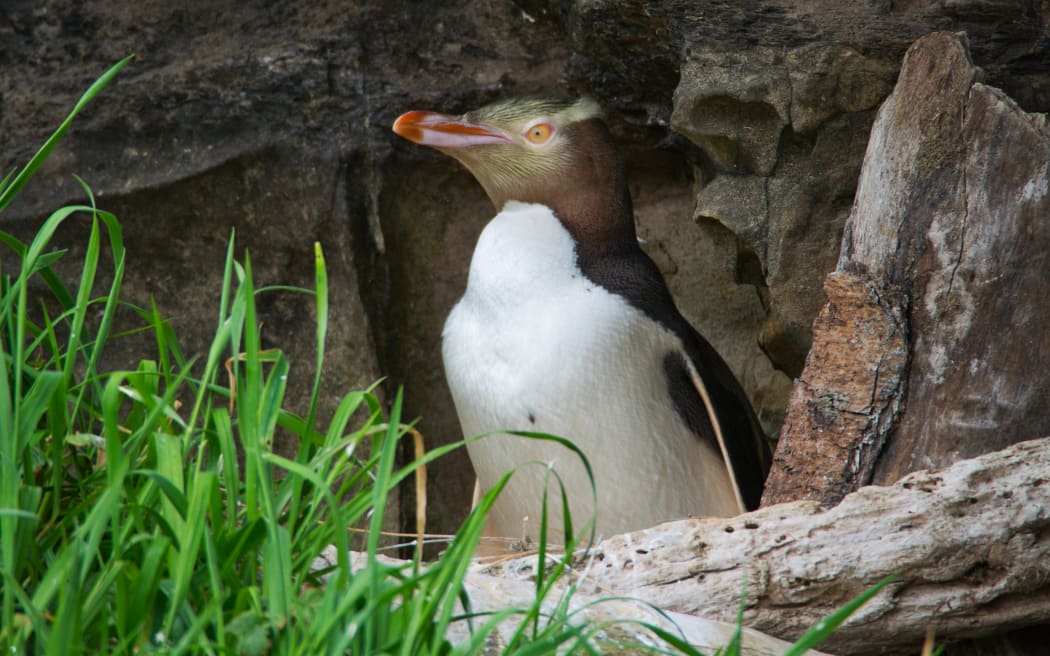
(734, 107)
(783, 135)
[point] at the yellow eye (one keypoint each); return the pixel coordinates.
(539, 133)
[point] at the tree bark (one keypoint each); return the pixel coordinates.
(845, 403)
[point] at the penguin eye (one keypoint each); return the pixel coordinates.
(539, 133)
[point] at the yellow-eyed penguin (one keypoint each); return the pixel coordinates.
(567, 327)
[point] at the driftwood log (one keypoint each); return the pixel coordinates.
(970, 545)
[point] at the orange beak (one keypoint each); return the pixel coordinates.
(444, 131)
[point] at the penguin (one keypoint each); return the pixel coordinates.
(567, 327)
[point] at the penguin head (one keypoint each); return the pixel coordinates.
(557, 153)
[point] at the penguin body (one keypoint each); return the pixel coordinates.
(536, 346)
(566, 327)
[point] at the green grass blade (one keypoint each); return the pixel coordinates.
(34, 404)
(187, 556)
(7, 180)
(321, 312)
(65, 628)
(20, 180)
(55, 285)
(825, 627)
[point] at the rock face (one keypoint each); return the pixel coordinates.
(272, 118)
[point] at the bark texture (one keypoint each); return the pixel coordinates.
(847, 398)
(969, 189)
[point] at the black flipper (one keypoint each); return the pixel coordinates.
(738, 435)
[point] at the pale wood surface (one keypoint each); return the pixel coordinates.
(971, 543)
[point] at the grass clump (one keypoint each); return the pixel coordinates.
(127, 522)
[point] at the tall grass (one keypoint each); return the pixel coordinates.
(129, 525)
(126, 522)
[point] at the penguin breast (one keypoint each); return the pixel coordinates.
(534, 345)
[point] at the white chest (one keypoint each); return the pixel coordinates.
(534, 345)
(531, 334)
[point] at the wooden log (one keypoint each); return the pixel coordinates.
(971, 544)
